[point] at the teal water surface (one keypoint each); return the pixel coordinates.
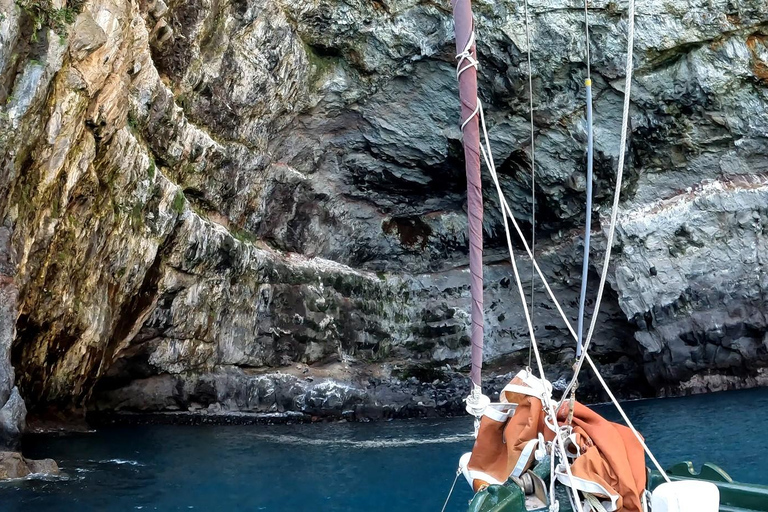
(405, 466)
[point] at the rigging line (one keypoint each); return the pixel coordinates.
(558, 441)
(485, 148)
(506, 207)
(544, 281)
(533, 164)
(614, 214)
(616, 194)
(488, 157)
(508, 212)
(612, 227)
(626, 419)
(448, 498)
(586, 34)
(588, 221)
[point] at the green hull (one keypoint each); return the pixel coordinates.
(734, 496)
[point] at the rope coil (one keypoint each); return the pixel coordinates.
(466, 55)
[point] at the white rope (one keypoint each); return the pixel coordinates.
(574, 336)
(507, 212)
(473, 114)
(567, 322)
(616, 193)
(566, 463)
(533, 161)
(554, 505)
(466, 54)
(626, 419)
(614, 214)
(594, 503)
(485, 148)
(450, 493)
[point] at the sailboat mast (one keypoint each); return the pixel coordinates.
(467, 76)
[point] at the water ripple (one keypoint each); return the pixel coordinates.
(370, 443)
(120, 462)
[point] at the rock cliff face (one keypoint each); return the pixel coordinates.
(196, 196)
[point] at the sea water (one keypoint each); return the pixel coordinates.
(404, 466)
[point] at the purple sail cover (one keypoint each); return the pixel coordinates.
(464, 26)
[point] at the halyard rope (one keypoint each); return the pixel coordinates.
(567, 322)
(485, 147)
(557, 444)
(588, 220)
(450, 493)
(507, 212)
(626, 419)
(616, 403)
(616, 193)
(533, 162)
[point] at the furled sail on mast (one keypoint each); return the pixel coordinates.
(528, 437)
(467, 76)
(611, 469)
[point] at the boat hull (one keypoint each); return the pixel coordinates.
(734, 496)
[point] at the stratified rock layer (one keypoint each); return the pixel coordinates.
(200, 195)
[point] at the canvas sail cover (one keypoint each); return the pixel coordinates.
(608, 460)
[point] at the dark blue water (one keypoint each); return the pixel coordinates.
(399, 466)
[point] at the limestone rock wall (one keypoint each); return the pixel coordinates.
(13, 411)
(193, 189)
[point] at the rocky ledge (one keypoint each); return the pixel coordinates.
(13, 466)
(301, 394)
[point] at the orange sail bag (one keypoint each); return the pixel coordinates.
(609, 461)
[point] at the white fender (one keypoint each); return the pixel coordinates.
(472, 475)
(686, 496)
